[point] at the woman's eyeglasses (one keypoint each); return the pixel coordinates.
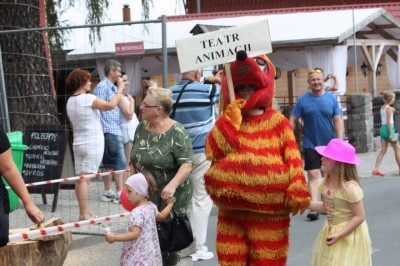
(316, 70)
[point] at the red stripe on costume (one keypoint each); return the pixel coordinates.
(239, 204)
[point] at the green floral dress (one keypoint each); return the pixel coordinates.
(162, 154)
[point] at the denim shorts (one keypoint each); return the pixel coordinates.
(114, 155)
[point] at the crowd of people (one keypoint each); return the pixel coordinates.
(183, 154)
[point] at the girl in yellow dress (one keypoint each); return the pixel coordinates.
(344, 239)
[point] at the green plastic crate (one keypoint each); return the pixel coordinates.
(18, 149)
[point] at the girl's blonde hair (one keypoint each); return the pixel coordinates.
(163, 97)
(388, 96)
(347, 172)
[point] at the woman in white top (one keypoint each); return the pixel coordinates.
(387, 132)
(128, 120)
(83, 110)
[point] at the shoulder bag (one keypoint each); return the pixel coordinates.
(175, 234)
(172, 115)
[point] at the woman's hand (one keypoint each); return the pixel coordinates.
(168, 193)
(120, 85)
(34, 213)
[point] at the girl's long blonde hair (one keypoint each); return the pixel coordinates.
(346, 172)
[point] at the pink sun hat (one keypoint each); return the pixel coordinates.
(339, 150)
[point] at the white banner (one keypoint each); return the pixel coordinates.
(219, 47)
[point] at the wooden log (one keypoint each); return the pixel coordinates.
(44, 251)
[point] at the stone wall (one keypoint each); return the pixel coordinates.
(360, 122)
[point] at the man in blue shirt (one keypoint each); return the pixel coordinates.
(114, 156)
(195, 110)
(322, 120)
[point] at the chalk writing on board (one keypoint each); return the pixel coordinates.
(44, 157)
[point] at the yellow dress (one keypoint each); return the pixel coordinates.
(353, 249)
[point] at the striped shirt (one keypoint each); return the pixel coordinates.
(109, 119)
(195, 110)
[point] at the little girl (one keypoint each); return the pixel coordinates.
(387, 132)
(344, 239)
(141, 245)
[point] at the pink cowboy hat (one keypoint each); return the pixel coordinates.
(339, 150)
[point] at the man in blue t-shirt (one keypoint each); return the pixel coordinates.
(195, 111)
(322, 121)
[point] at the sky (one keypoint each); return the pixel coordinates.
(77, 15)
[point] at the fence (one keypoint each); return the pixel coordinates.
(20, 89)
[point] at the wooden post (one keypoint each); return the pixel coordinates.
(231, 89)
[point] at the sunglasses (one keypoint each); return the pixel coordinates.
(148, 106)
(316, 70)
(245, 86)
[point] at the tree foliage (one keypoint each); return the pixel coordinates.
(96, 13)
(31, 97)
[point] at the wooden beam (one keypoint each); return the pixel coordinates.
(367, 56)
(367, 42)
(392, 54)
(378, 30)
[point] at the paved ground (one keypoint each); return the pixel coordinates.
(93, 250)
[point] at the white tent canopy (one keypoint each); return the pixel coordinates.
(298, 39)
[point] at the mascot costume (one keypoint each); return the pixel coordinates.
(257, 177)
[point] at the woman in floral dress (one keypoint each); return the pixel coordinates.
(163, 147)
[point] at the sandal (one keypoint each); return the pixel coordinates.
(91, 216)
(377, 172)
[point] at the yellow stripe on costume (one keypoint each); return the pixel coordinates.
(255, 180)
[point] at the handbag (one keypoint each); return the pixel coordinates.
(176, 233)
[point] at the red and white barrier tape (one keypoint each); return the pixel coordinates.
(73, 178)
(60, 228)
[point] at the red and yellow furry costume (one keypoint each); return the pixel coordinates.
(257, 177)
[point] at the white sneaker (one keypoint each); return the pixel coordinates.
(107, 196)
(202, 254)
(116, 199)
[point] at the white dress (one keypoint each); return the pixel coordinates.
(128, 126)
(88, 135)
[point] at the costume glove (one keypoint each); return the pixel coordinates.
(296, 204)
(233, 112)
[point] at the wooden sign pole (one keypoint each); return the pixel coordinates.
(231, 90)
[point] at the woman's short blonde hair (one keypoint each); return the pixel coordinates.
(162, 97)
(388, 96)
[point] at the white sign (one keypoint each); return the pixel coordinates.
(219, 47)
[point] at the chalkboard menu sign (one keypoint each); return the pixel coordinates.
(45, 156)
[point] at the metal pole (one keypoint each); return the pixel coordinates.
(4, 118)
(164, 50)
(198, 6)
(79, 26)
(355, 53)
